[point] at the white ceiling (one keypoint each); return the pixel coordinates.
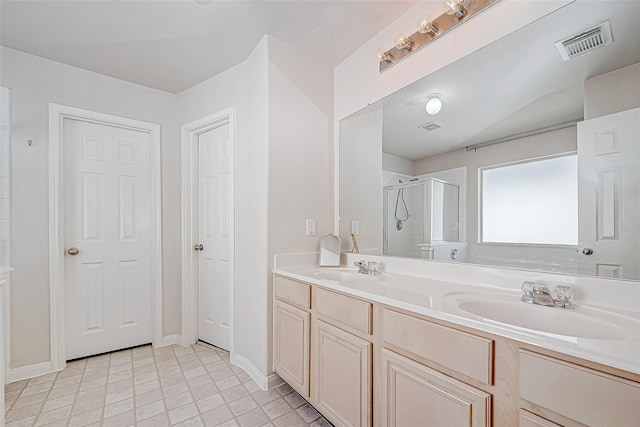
(517, 84)
(173, 45)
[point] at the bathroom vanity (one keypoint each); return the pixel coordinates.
(397, 350)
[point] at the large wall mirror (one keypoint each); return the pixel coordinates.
(533, 161)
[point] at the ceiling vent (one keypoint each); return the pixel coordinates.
(431, 126)
(586, 41)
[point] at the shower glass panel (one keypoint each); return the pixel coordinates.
(418, 213)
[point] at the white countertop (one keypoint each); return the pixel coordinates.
(424, 295)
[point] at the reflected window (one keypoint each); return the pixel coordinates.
(535, 202)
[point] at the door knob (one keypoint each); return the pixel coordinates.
(73, 251)
(198, 247)
(587, 251)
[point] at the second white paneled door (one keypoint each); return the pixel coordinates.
(608, 201)
(214, 272)
(108, 236)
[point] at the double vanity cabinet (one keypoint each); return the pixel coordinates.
(366, 363)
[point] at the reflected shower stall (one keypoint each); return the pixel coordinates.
(419, 215)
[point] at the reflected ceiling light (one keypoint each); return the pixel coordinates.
(426, 26)
(455, 8)
(434, 104)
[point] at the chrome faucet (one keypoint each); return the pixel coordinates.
(541, 295)
(365, 267)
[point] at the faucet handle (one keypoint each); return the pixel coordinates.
(565, 293)
(527, 289)
(540, 289)
(372, 267)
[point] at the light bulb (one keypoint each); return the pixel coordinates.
(434, 104)
(455, 8)
(403, 42)
(385, 56)
(426, 26)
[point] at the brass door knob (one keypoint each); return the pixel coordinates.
(198, 247)
(73, 251)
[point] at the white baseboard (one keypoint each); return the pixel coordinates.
(170, 340)
(263, 381)
(30, 371)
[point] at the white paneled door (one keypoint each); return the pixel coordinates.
(214, 259)
(609, 195)
(107, 226)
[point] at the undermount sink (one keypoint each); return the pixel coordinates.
(346, 275)
(508, 309)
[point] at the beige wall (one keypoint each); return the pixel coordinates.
(612, 92)
(546, 144)
(244, 88)
(283, 102)
(398, 164)
(34, 83)
(300, 155)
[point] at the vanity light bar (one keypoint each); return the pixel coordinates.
(437, 28)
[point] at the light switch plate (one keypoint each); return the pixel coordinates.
(311, 227)
(355, 227)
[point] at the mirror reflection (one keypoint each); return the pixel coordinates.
(532, 161)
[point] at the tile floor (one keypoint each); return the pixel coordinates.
(183, 386)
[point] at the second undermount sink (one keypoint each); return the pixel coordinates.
(346, 275)
(507, 309)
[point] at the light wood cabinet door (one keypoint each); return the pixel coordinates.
(415, 395)
(342, 376)
(291, 346)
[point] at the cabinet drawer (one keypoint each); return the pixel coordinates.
(527, 419)
(582, 394)
(465, 353)
(348, 311)
(296, 293)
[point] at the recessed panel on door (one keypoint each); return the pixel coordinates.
(129, 288)
(91, 206)
(93, 307)
(128, 207)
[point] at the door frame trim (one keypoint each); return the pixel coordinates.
(57, 115)
(190, 133)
